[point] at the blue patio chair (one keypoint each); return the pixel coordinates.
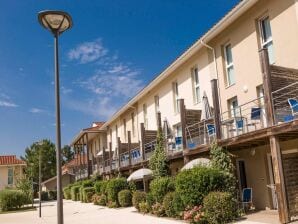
(239, 124)
(178, 140)
(288, 118)
(255, 113)
(294, 106)
(210, 129)
(246, 198)
(191, 145)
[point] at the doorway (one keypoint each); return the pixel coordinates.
(271, 185)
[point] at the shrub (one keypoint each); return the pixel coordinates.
(124, 198)
(158, 209)
(87, 183)
(52, 195)
(66, 192)
(100, 186)
(137, 198)
(177, 205)
(114, 186)
(112, 204)
(12, 199)
(150, 200)
(132, 186)
(159, 187)
(172, 206)
(95, 199)
(219, 207)
(75, 192)
(144, 207)
(102, 200)
(44, 196)
(194, 184)
(88, 192)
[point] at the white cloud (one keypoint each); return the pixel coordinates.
(65, 90)
(4, 103)
(112, 83)
(36, 110)
(88, 52)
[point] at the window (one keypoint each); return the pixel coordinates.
(124, 128)
(10, 176)
(196, 85)
(176, 97)
(266, 37)
(229, 65)
(145, 116)
(156, 101)
(133, 123)
(233, 107)
(178, 130)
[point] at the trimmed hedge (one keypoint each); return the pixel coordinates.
(100, 186)
(159, 187)
(137, 198)
(45, 196)
(88, 192)
(12, 199)
(67, 193)
(219, 207)
(75, 191)
(124, 198)
(114, 186)
(194, 184)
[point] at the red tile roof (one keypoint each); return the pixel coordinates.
(10, 160)
(75, 162)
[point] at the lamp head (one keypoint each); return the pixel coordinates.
(55, 21)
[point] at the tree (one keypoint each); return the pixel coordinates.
(48, 160)
(67, 154)
(221, 159)
(158, 161)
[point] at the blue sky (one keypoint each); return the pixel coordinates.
(112, 51)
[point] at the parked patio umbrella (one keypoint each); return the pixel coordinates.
(196, 162)
(207, 113)
(140, 174)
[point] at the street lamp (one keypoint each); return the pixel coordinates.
(57, 22)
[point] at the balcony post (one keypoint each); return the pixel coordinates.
(103, 160)
(119, 151)
(215, 98)
(110, 156)
(129, 147)
(88, 161)
(183, 121)
(143, 141)
(274, 140)
(159, 121)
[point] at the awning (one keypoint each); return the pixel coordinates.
(140, 174)
(196, 162)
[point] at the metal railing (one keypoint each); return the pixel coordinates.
(285, 103)
(174, 144)
(136, 156)
(149, 149)
(124, 159)
(107, 165)
(81, 174)
(200, 133)
(245, 118)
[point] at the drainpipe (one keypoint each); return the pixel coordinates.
(215, 66)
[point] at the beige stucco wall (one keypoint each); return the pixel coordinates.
(243, 35)
(18, 173)
(52, 185)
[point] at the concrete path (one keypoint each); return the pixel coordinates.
(77, 213)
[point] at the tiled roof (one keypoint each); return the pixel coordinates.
(10, 160)
(75, 162)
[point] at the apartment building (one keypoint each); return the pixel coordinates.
(237, 85)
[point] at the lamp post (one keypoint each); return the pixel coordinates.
(57, 22)
(39, 179)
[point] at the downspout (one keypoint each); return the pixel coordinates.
(215, 66)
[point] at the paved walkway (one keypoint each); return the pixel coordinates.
(77, 213)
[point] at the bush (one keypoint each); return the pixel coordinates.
(88, 192)
(150, 200)
(194, 215)
(219, 207)
(102, 200)
(159, 187)
(45, 196)
(137, 198)
(75, 192)
(100, 186)
(132, 186)
(172, 205)
(114, 186)
(194, 184)
(144, 207)
(12, 199)
(52, 195)
(87, 183)
(95, 199)
(124, 198)
(158, 209)
(67, 193)
(112, 204)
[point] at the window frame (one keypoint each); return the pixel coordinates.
(145, 115)
(264, 43)
(195, 85)
(133, 123)
(10, 176)
(229, 65)
(176, 96)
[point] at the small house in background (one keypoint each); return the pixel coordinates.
(11, 169)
